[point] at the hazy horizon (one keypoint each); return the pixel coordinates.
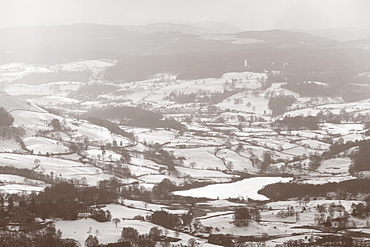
(243, 14)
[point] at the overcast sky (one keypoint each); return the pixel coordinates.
(245, 14)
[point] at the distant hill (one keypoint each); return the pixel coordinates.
(183, 50)
(153, 39)
(282, 36)
(219, 27)
(35, 42)
(26, 37)
(171, 27)
(341, 34)
(56, 44)
(11, 103)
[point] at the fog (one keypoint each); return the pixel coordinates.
(245, 14)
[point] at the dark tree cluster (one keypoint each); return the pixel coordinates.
(65, 200)
(30, 174)
(116, 168)
(221, 239)
(112, 127)
(327, 68)
(356, 93)
(92, 241)
(162, 156)
(133, 116)
(91, 92)
(309, 89)
(299, 122)
(130, 237)
(201, 97)
(341, 146)
(279, 103)
(61, 200)
(165, 219)
(100, 215)
(349, 92)
(315, 162)
(136, 192)
(285, 191)
(266, 161)
(164, 187)
(6, 119)
(343, 116)
(47, 237)
(361, 158)
(242, 216)
(55, 123)
(60, 75)
(11, 132)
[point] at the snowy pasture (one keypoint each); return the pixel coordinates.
(20, 188)
(239, 163)
(43, 145)
(9, 145)
(247, 188)
(8, 178)
(63, 168)
(107, 232)
(56, 89)
(335, 166)
(83, 129)
(203, 158)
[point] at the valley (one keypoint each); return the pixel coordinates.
(182, 159)
(228, 150)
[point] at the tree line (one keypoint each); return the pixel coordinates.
(6, 119)
(344, 189)
(62, 200)
(298, 122)
(279, 103)
(133, 116)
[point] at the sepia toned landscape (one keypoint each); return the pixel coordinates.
(184, 134)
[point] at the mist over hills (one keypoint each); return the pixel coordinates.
(220, 27)
(341, 34)
(132, 40)
(170, 27)
(133, 119)
(186, 50)
(11, 103)
(288, 37)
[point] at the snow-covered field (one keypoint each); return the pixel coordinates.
(51, 90)
(224, 224)
(64, 168)
(239, 163)
(327, 179)
(211, 144)
(54, 101)
(9, 146)
(246, 188)
(20, 188)
(94, 133)
(203, 158)
(8, 178)
(342, 129)
(12, 71)
(335, 166)
(43, 145)
(109, 233)
(34, 120)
